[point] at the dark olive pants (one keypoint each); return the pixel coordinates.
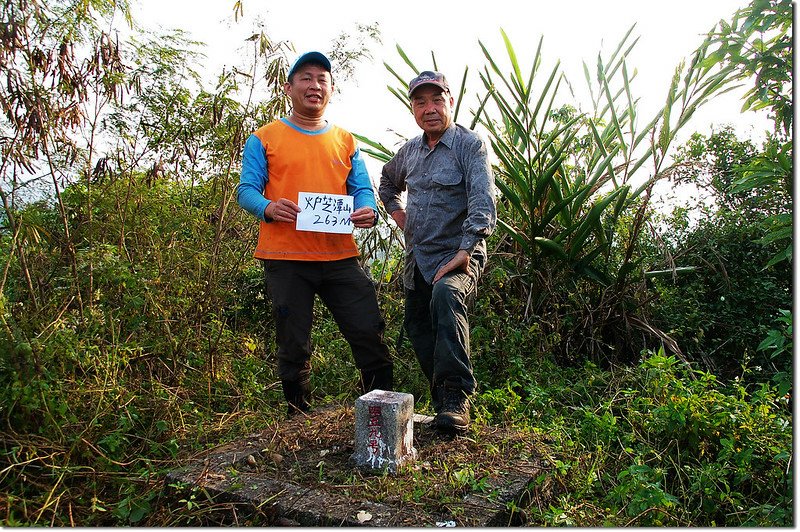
(437, 325)
(347, 292)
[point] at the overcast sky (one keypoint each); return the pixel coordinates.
(574, 31)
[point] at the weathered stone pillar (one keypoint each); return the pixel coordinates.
(384, 431)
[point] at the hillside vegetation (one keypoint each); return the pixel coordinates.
(650, 352)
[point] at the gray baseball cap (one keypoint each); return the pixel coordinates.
(428, 77)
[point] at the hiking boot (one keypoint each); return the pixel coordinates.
(297, 394)
(436, 397)
(452, 416)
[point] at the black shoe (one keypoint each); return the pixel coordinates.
(298, 395)
(452, 416)
(379, 379)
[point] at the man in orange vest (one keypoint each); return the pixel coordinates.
(303, 153)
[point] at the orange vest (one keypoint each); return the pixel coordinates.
(300, 161)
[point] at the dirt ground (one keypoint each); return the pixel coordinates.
(485, 478)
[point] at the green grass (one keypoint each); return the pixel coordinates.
(654, 444)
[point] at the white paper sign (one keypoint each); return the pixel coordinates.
(324, 213)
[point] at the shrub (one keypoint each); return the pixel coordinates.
(658, 444)
(721, 313)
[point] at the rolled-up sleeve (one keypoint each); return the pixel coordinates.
(253, 178)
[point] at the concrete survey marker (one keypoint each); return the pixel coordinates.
(384, 435)
(300, 472)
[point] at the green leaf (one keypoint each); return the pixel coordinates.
(551, 247)
(407, 60)
(515, 235)
(461, 93)
(589, 222)
(513, 57)
(665, 136)
(379, 151)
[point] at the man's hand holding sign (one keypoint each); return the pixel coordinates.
(364, 218)
(324, 213)
(282, 210)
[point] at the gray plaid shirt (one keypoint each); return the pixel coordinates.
(450, 199)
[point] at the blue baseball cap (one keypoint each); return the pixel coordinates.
(311, 57)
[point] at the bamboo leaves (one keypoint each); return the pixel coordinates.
(549, 206)
(566, 182)
(567, 178)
